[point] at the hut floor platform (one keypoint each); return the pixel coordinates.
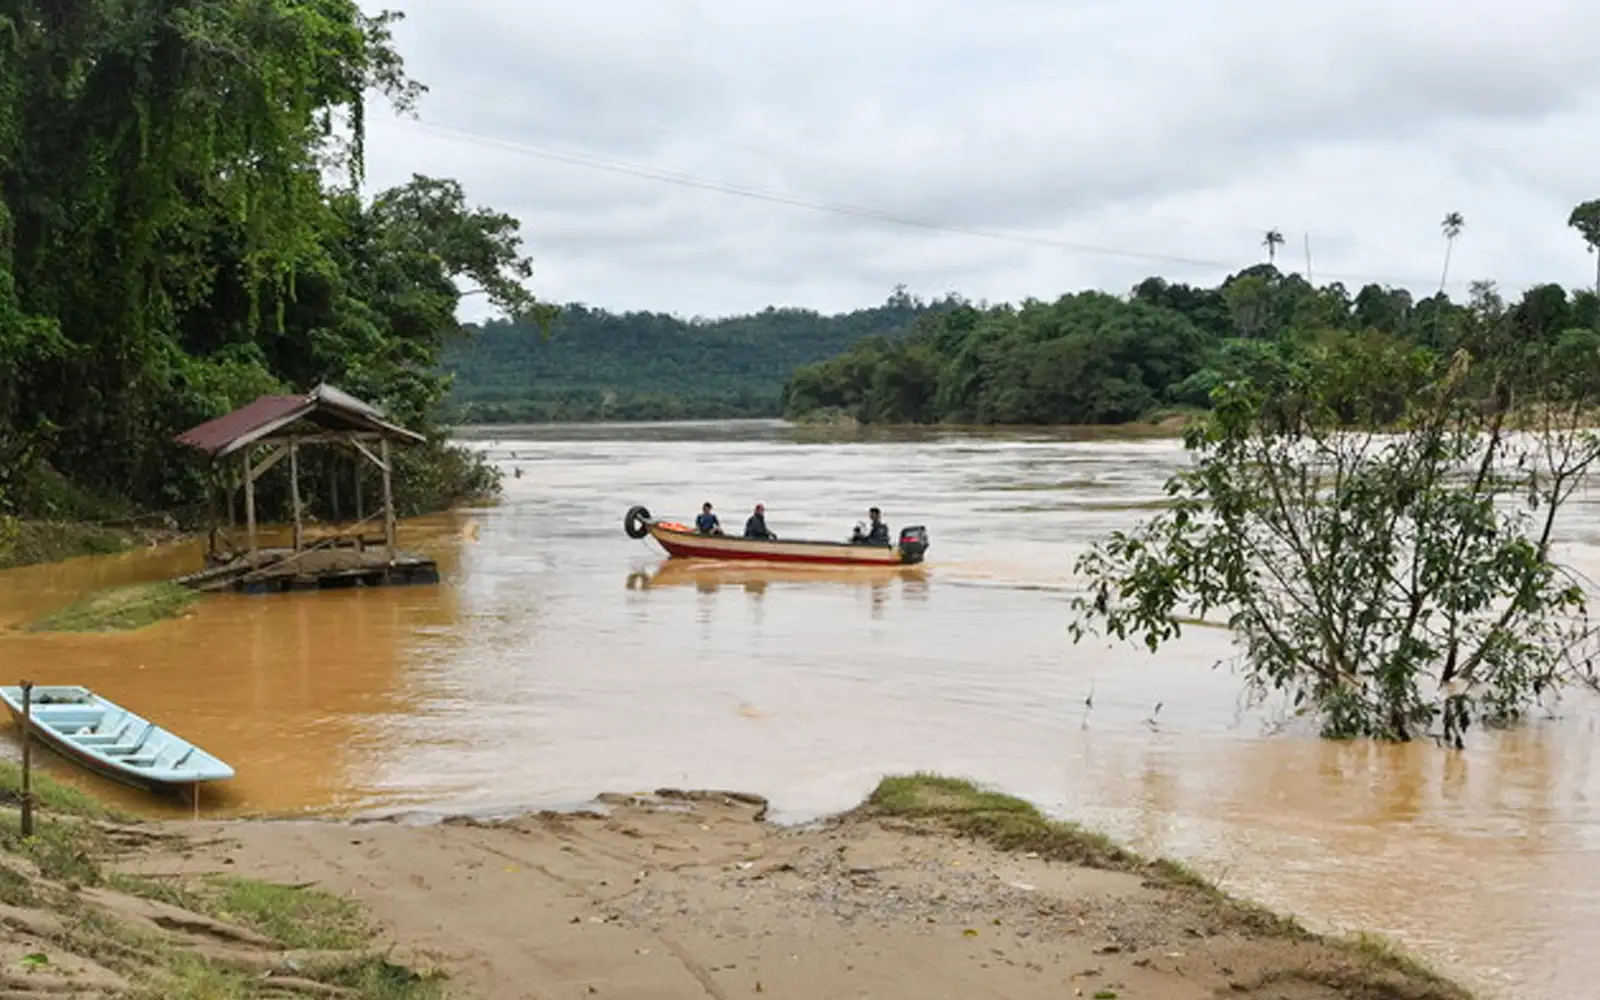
(275, 570)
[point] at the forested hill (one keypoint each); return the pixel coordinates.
(597, 364)
(1095, 358)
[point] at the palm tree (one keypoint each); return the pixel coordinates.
(1273, 241)
(1451, 227)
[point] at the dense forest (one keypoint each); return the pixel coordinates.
(1095, 358)
(599, 365)
(181, 230)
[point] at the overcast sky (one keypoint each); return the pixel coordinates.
(1097, 141)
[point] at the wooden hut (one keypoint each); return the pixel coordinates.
(243, 445)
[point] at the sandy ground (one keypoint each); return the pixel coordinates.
(681, 895)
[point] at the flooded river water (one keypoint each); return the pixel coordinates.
(560, 659)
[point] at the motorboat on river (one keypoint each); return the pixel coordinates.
(709, 575)
(682, 541)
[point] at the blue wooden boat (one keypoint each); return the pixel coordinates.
(112, 741)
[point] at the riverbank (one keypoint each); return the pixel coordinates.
(930, 888)
(74, 923)
(31, 542)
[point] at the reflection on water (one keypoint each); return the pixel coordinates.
(561, 658)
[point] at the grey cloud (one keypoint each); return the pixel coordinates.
(1173, 128)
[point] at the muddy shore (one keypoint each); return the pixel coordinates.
(931, 889)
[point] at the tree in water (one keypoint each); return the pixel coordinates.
(1272, 241)
(1451, 227)
(1376, 535)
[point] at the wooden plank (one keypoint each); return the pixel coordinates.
(271, 460)
(382, 463)
(330, 437)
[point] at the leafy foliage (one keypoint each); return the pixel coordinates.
(650, 366)
(1383, 555)
(1093, 358)
(180, 232)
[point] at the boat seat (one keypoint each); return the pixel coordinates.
(102, 737)
(130, 748)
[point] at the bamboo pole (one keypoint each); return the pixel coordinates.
(294, 490)
(27, 758)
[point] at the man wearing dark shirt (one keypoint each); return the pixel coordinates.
(756, 526)
(707, 523)
(877, 530)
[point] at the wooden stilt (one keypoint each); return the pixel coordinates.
(388, 501)
(333, 486)
(213, 483)
(361, 514)
(249, 505)
(294, 490)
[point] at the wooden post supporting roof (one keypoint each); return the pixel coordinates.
(213, 484)
(388, 501)
(361, 514)
(249, 505)
(294, 490)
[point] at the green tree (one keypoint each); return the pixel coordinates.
(1451, 227)
(179, 232)
(1585, 218)
(1272, 241)
(1393, 577)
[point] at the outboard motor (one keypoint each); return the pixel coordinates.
(913, 543)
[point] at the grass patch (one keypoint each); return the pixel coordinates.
(54, 797)
(1379, 951)
(186, 976)
(120, 609)
(1011, 824)
(1005, 821)
(299, 918)
(376, 978)
(30, 542)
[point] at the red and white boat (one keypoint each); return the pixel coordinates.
(682, 541)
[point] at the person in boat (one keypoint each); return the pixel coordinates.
(706, 523)
(876, 533)
(756, 525)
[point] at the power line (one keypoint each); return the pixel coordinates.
(837, 208)
(645, 172)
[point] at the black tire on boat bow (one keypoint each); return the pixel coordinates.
(636, 522)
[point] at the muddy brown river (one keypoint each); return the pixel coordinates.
(561, 658)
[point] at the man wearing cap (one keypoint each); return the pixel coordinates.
(756, 526)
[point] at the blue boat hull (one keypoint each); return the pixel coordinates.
(113, 742)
